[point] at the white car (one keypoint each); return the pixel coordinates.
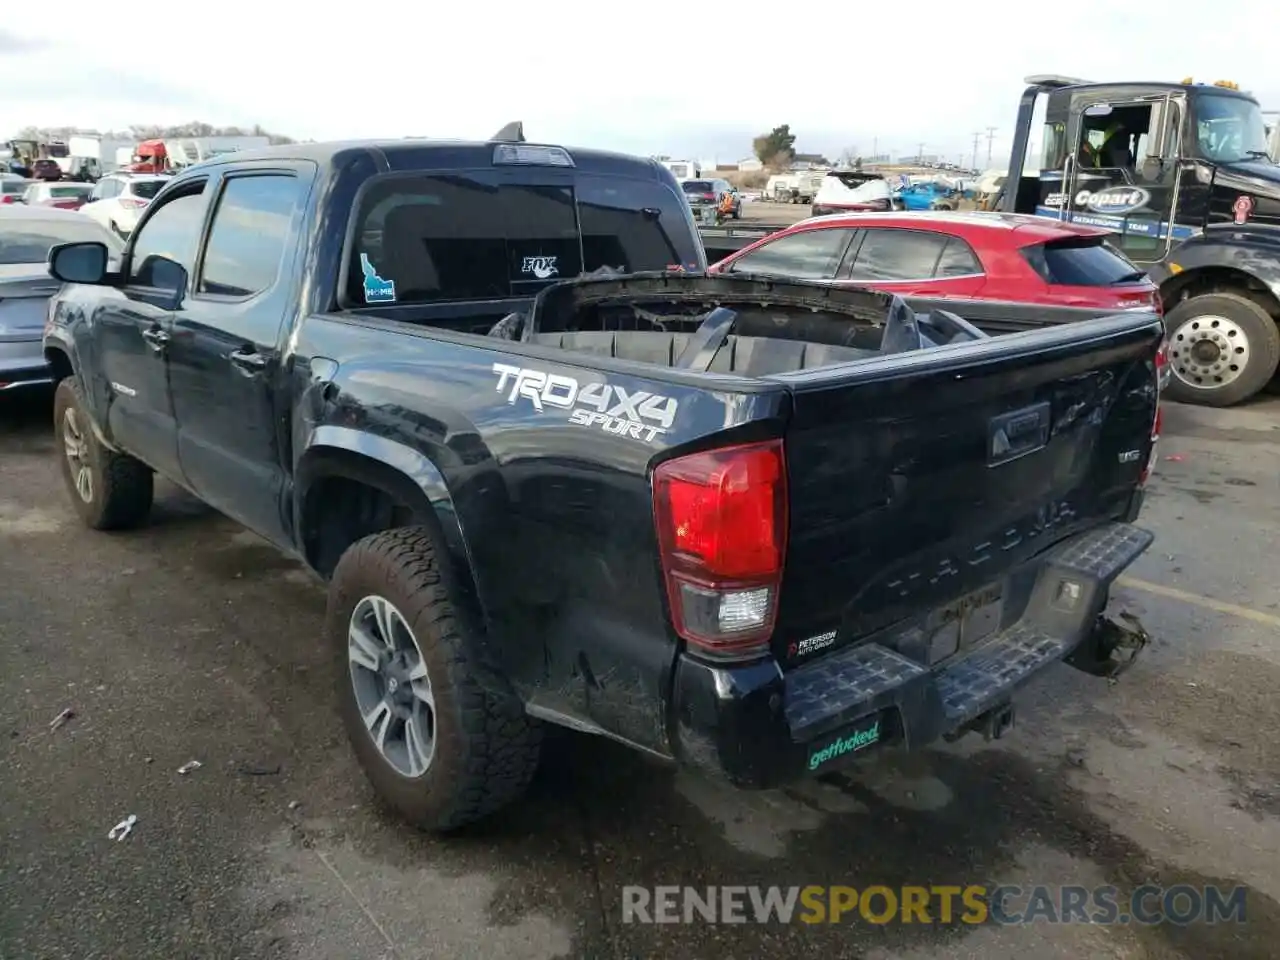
(118, 200)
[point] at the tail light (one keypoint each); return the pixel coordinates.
(132, 203)
(9, 198)
(1162, 380)
(722, 535)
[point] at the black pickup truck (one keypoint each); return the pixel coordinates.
(749, 526)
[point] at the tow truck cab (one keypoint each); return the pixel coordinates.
(1181, 173)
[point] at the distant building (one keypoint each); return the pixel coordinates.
(750, 165)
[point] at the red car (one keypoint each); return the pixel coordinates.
(1003, 271)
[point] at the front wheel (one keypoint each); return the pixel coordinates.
(109, 490)
(1223, 348)
(443, 741)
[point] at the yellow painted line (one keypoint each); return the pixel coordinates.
(1196, 600)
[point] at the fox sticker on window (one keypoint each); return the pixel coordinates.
(541, 267)
(376, 290)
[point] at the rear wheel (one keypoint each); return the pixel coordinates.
(442, 741)
(1223, 348)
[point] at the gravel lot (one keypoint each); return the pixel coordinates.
(194, 640)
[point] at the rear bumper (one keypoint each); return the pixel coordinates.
(757, 727)
(22, 364)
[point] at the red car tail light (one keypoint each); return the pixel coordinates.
(1163, 372)
(722, 532)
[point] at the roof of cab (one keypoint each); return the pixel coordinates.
(423, 154)
(1022, 228)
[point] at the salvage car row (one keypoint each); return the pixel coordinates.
(1178, 177)
(463, 384)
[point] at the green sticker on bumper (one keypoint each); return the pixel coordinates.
(845, 744)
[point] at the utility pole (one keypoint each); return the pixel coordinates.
(976, 137)
(920, 153)
(991, 135)
(875, 146)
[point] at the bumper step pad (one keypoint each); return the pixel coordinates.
(852, 682)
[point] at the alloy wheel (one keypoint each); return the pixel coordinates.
(77, 451)
(392, 687)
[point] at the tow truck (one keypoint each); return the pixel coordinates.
(1181, 173)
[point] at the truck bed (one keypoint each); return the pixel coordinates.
(926, 460)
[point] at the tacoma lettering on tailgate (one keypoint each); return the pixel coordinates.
(1044, 520)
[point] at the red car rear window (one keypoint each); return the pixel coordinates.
(1081, 262)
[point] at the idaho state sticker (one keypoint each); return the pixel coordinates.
(376, 290)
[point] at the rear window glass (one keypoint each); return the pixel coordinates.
(64, 192)
(697, 186)
(633, 226)
(851, 179)
(440, 239)
(29, 241)
(1081, 263)
(450, 238)
(13, 186)
(146, 189)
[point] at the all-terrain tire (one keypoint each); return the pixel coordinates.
(486, 747)
(1256, 324)
(120, 487)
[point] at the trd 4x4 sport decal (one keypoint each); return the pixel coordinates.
(639, 414)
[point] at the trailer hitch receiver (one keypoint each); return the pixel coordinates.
(1112, 646)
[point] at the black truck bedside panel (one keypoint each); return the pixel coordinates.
(754, 526)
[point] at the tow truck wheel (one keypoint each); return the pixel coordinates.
(1223, 348)
(442, 740)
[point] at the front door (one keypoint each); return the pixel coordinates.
(1122, 172)
(225, 356)
(133, 330)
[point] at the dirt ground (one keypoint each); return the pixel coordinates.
(193, 640)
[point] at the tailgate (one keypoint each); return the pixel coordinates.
(919, 480)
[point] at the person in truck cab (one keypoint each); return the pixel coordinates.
(1115, 151)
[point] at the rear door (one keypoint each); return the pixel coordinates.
(913, 263)
(918, 479)
(224, 357)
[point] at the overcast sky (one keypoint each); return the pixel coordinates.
(664, 78)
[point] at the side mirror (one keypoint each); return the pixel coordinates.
(167, 280)
(78, 262)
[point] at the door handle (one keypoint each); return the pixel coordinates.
(156, 339)
(248, 360)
